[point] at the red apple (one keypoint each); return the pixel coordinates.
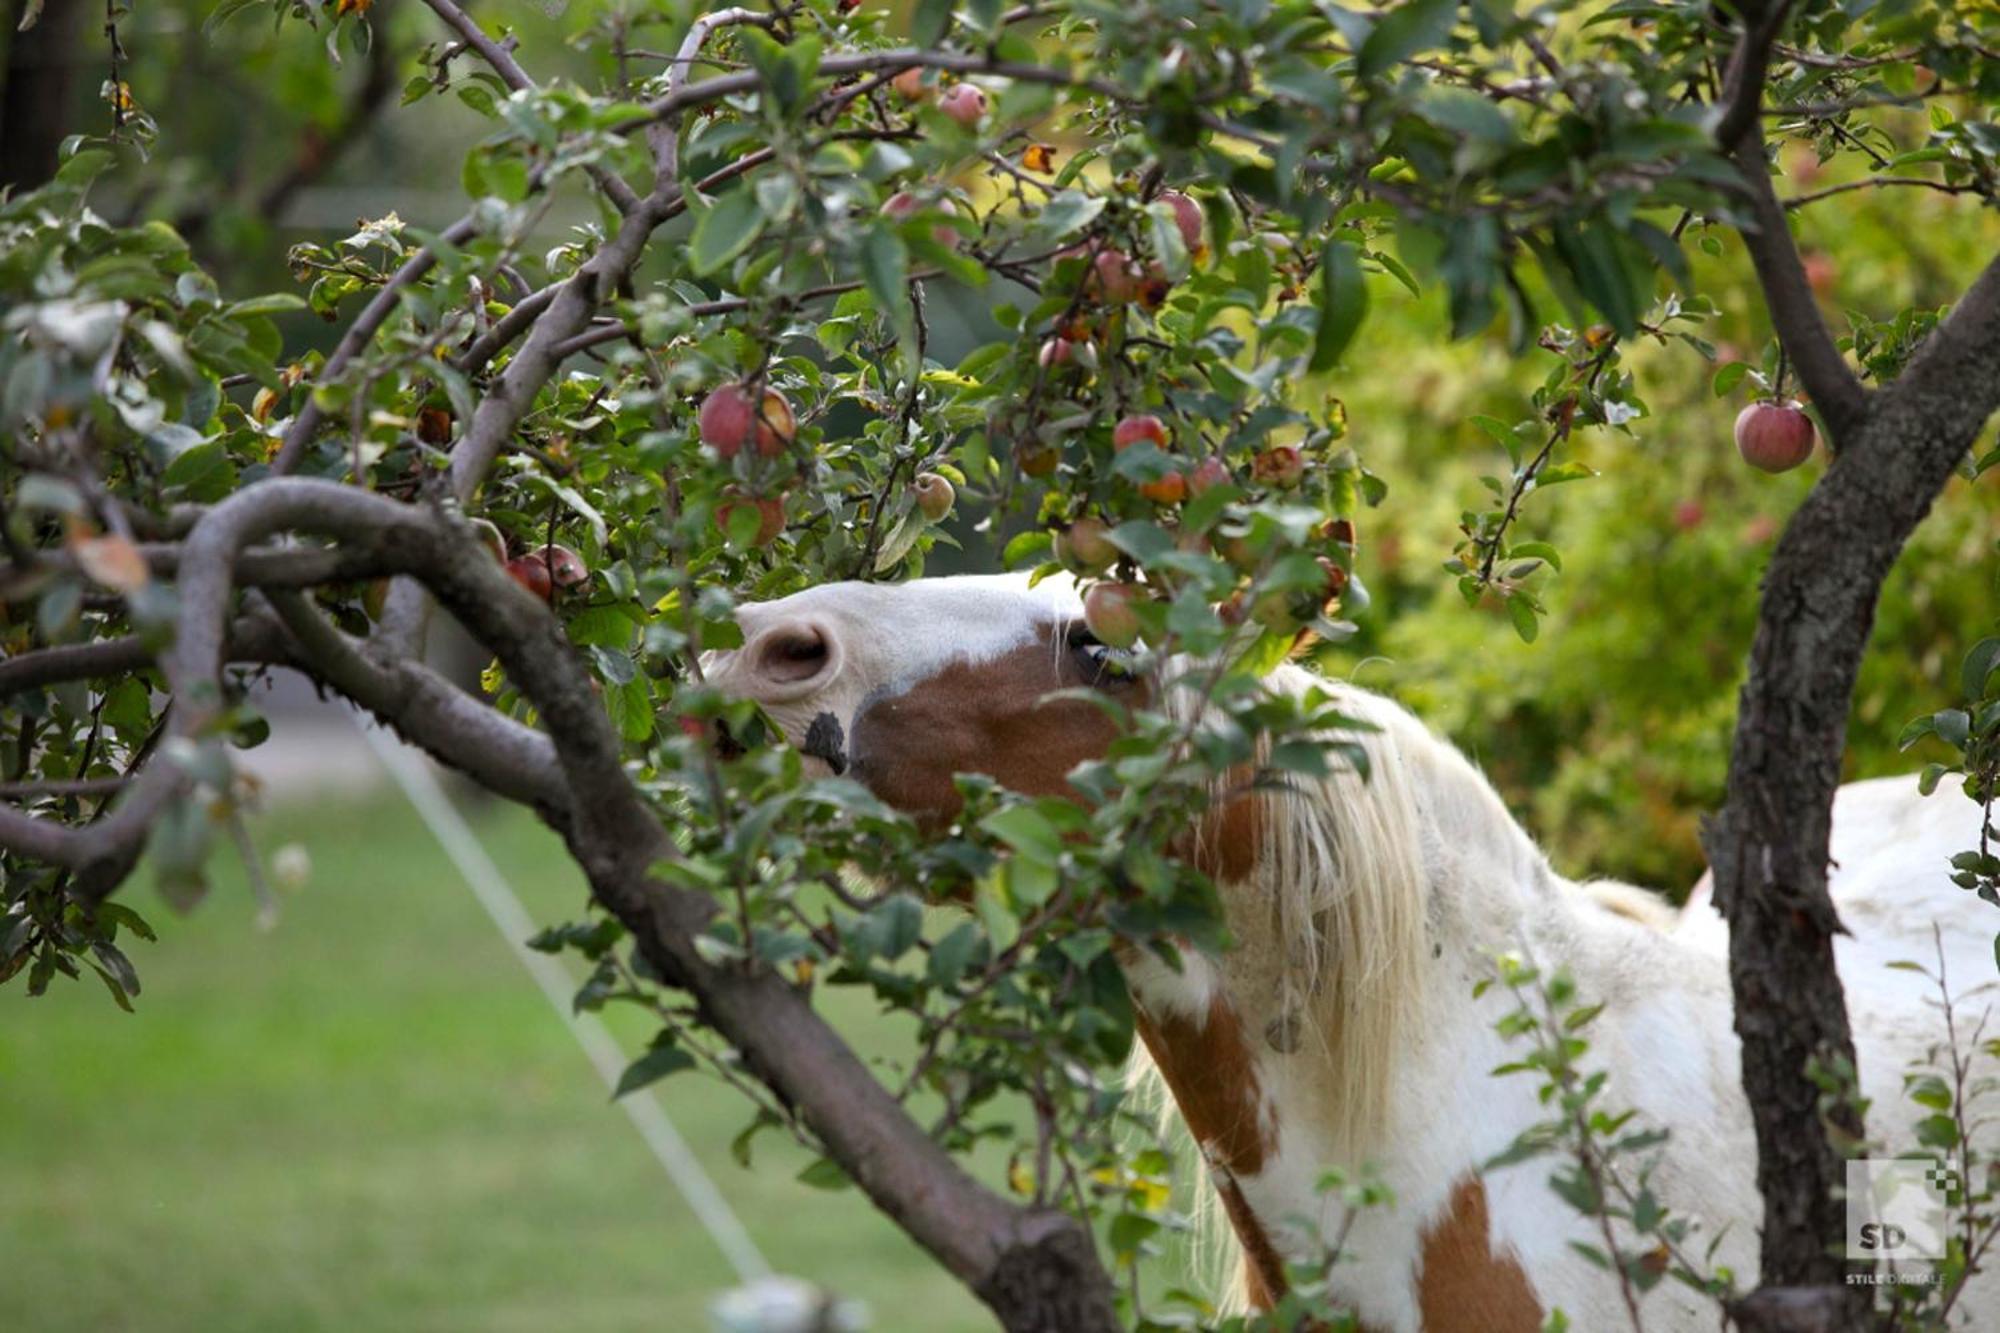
(934, 495)
(1084, 547)
(532, 573)
(1108, 610)
(1133, 429)
(1209, 473)
(964, 103)
(1168, 490)
(566, 567)
(1688, 515)
(1056, 352)
(728, 417)
(434, 425)
(1775, 437)
(1187, 216)
(1339, 531)
(1282, 465)
(770, 516)
(910, 86)
(1115, 279)
(903, 204)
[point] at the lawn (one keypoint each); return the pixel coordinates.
(369, 1119)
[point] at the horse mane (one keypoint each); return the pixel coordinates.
(1345, 868)
(1340, 870)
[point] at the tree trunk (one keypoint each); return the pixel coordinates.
(40, 69)
(1769, 845)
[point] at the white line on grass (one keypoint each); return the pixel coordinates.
(414, 776)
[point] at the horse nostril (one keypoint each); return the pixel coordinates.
(793, 655)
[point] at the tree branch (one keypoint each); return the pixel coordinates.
(1037, 1268)
(457, 729)
(1749, 65)
(502, 62)
(1833, 387)
(357, 337)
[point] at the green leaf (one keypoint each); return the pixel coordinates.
(1980, 663)
(1526, 623)
(651, 1067)
(724, 231)
(1953, 725)
(954, 953)
(825, 1174)
(1343, 303)
(1417, 25)
(1729, 377)
(1026, 830)
(1069, 211)
(273, 303)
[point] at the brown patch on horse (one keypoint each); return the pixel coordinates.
(1462, 1285)
(1208, 1067)
(988, 717)
(1228, 841)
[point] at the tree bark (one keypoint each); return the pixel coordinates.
(39, 75)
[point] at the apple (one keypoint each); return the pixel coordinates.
(728, 416)
(1282, 465)
(1168, 490)
(1084, 547)
(1238, 551)
(1035, 458)
(1339, 531)
(1821, 271)
(934, 496)
(1209, 473)
(1056, 352)
(903, 204)
(1130, 430)
(1233, 611)
(532, 573)
(1688, 515)
(910, 86)
(434, 425)
(1108, 608)
(770, 515)
(1187, 216)
(566, 567)
(1115, 280)
(1775, 437)
(964, 103)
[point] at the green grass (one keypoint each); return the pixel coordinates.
(370, 1119)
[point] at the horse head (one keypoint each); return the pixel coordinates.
(900, 687)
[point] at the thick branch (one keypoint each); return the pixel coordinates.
(1036, 1268)
(430, 712)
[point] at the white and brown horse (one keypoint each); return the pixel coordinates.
(1342, 1028)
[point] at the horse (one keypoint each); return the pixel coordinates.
(1343, 1024)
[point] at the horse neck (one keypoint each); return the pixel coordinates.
(1372, 906)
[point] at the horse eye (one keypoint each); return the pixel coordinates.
(1101, 664)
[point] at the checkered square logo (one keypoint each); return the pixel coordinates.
(1898, 1210)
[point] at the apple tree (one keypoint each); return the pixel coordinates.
(1171, 222)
